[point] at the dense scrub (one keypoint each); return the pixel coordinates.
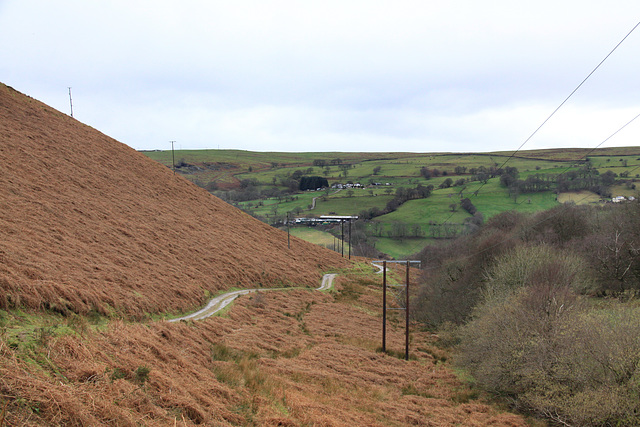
(547, 312)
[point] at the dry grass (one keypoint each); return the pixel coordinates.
(257, 366)
(88, 223)
(91, 227)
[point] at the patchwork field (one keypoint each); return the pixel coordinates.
(100, 245)
(266, 187)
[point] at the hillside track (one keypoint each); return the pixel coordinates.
(88, 224)
(218, 303)
(91, 230)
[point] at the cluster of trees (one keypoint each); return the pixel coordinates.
(250, 189)
(431, 173)
(322, 162)
(516, 298)
(468, 206)
(481, 173)
(398, 230)
(585, 178)
(405, 194)
(312, 183)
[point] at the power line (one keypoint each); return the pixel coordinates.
(568, 97)
(559, 211)
(476, 192)
(558, 108)
(598, 146)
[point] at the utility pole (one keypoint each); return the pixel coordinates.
(342, 237)
(173, 158)
(406, 312)
(384, 306)
(288, 233)
(349, 238)
(398, 296)
(70, 102)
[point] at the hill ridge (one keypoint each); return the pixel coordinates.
(88, 223)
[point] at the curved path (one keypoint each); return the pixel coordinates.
(327, 281)
(218, 303)
(313, 201)
(379, 267)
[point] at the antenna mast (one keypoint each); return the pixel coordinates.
(173, 158)
(70, 101)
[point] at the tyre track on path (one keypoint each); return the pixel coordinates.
(221, 301)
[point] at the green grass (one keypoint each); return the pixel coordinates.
(318, 237)
(271, 206)
(422, 211)
(494, 199)
(342, 204)
(579, 197)
(399, 164)
(228, 167)
(401, 249)
(491, 200)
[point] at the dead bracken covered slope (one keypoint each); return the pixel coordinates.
(87, 223)
(298, 358)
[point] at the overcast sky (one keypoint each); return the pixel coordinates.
(348, 75)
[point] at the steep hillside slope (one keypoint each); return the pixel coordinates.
(298, 358)
(87, 223)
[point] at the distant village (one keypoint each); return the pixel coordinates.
(356, 185)
(620, 199)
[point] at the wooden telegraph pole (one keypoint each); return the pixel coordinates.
(384, 306)
(173, 158)
(406, 312)
(342, 238)
(349, 238)
(70, 102)
(398, 296)
(342, 219)
(288, 232)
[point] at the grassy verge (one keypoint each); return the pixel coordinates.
(318, 237)
(400, 249)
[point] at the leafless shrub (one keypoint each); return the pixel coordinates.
(543, 349)
(537, 265)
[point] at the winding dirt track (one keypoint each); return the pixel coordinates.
(218, 303)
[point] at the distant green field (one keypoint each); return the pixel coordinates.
(321, 238)
(401, 248)
(236, 171)
(344, 205)
(535, 202)
(579, 197)
(272, 206)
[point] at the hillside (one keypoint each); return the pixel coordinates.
(406, 201)
(96, 239)
(295, 358)
(88, 224)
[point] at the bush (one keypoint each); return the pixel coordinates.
(531, 338)
(537, 265)
(312, 182)
(448, 297)
(542, 348)
(468, 206)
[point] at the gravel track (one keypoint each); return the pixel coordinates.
(218, 303)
